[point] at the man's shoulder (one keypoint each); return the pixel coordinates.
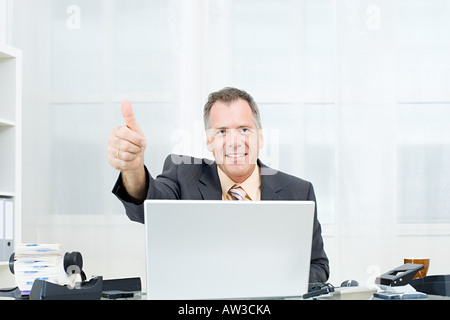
(183, 160)
(187, 170)
(291, 180)
(282, 177)
(187, 164)
(288, 186)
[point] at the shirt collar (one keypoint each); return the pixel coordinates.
(251, 185)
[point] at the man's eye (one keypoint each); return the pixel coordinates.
(222, 132)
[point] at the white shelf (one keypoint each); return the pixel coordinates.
(7, 123)
(11, 145)
(7, 194)
(9, 52)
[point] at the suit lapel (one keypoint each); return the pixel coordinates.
(209, 183)
(270, 186)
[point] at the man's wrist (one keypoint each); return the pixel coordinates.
(135, 183)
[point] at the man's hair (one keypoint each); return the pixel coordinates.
(228, 95)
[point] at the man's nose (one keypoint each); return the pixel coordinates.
(234, 139)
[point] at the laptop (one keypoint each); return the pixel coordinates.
(227, 249)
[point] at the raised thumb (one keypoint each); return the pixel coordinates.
(128, 116)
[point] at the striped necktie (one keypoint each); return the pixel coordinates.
(237, 193)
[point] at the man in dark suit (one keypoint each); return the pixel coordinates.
(234, 136)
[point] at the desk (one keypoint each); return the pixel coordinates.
(342, 293)
(361, 293)
(430, 297)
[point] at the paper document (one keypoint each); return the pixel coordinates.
(38, 261)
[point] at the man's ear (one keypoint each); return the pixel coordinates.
(261, 139)
(208, 141)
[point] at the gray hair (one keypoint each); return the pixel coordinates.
(230, 95)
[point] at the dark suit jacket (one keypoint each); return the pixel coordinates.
(197, 179)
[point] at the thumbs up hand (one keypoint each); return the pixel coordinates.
(130, 119)
(126, 144)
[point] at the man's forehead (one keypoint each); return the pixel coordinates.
(232, 122)
(237, 107)
(229, 103)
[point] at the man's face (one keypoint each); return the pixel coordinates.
(234, 138)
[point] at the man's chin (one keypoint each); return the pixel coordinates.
(238, 171)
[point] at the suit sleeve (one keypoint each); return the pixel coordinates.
(319, 271)
(165, 186)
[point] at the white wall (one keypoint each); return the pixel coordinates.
(353, 94)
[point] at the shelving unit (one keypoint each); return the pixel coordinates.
(11, 144)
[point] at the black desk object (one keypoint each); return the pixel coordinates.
(94, 289)
(399, 276)
(88, 290)
(435, 285)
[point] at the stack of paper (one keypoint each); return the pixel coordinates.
(38, 261)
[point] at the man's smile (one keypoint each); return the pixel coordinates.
(235, 155)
